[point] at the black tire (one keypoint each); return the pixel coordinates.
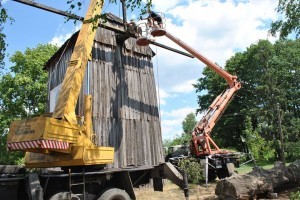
(63, 196)
(211, 175)
(222, 173)
(114, 194)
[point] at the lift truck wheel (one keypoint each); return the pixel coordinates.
(211, 175)
(114, 194)
(222, 173)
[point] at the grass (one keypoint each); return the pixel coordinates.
(248, 167)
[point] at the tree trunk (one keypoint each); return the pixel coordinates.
(259, 181)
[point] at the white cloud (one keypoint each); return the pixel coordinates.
(165, 5)
(175, 91)
(61, 37)
(180, 113)
(215, 29)
(185, 87)
(162, 95)
(4, 1)
(172, 121)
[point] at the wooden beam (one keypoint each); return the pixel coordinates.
(107, 25)
(172, 49)
(49, 9)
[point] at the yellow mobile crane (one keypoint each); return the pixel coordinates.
(63, 139)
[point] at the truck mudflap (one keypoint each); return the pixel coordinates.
(35, 190)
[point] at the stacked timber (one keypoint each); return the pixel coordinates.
(125, 112)
(258, 182)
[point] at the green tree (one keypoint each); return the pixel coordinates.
(193, 169)
(269, 74)
(130, 4)
(189, 123)
(23, 91)
(290, 20)
(140, 5)
(177, 140)
(188, 126)
(260, 148)
(3, 19)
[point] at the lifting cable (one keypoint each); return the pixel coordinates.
(157, 75)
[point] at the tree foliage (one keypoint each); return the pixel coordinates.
(270, 75)
(3, 19)
(290, 20)
(193, 169)
(141, 5)
(23, 91)
(130, 4)
(189, 123)
(260, 148)
(182, 139)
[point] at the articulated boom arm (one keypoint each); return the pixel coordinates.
(201, 134)
(228, 77)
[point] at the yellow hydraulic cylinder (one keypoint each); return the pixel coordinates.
(88, 115)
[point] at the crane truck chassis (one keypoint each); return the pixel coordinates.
(84, 183)
(216, 162)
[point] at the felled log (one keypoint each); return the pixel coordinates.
(259, 181)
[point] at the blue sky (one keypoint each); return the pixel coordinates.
(216, 28)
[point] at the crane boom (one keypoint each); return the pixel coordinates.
(228, 77)
(71, 86)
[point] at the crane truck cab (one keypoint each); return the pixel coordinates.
(176, 153)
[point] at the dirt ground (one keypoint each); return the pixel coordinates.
(173, 192)
(197, 192)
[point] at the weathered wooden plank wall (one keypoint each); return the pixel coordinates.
(125, 111)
